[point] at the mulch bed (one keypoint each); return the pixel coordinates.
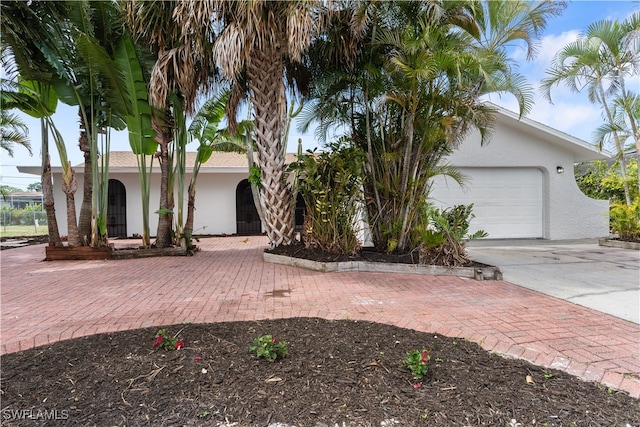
(298, 250)
(345, 372)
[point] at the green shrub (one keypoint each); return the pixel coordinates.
(330, 184)
(625, 220)
(442, 235)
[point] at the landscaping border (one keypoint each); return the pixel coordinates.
(478, 273)
(612, 243)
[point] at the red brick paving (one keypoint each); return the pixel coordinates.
(44, 302)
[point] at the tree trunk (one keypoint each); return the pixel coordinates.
(165, 219)
(84, 221)
(191, 207)
(266, 71)
(69, 187)
(47, 194)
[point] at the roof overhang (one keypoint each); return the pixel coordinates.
(37, 170)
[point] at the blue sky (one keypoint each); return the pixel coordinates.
(570, 113)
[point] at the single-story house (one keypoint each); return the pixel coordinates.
(21, 199)
(521, 184)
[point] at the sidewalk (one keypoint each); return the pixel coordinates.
(45, 302)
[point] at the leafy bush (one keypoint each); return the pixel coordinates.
(442, 235)
(601, 181)
(417, 362)
(625, 220)
(269, 347)
(330, 184)
(26, 216)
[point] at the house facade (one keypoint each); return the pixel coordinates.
(521, 184)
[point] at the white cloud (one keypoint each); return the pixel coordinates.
(552, 43)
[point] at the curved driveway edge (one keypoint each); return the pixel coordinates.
(45, 302)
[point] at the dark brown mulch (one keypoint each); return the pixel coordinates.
(336, 372)
(298, 250)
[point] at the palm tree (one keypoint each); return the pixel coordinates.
(205, 128)
(600, 61)
(71, 52)
(25, 31)
(13, 131)
(263, 42)
(182, 68)
(257, 45)
(413, 95)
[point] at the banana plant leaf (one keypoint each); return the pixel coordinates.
(141, 133)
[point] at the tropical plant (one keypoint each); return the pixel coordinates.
(600, 181)
(34, 186)
(178, 34)
(74, 54)
(442, 235)
(625, 220)
(26, 33)
(330, 184)
(408, 103)
(13, 131)
(205, 127)
(600, 61)
(135, 63)
(259, 46)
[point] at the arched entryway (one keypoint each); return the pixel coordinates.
(247, 218)
(300, 212)
(117, 209)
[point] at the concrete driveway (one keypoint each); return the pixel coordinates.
(603, 278)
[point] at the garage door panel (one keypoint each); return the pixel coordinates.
(507, 201)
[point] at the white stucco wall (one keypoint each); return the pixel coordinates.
(568, 213)
(215, 202)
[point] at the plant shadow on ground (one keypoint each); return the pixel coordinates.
(341, 372)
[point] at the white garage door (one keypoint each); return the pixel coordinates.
(507, 202)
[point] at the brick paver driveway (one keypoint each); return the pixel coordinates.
(44, 302)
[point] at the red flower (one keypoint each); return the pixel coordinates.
(424, 360)
(273, 340)
(198, 357)
(417, 385)
(179, 345)
(158, 341)
(424, 354)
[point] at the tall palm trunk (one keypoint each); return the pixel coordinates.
(164, 135)
(265, 71)
(84, 221)
(47, 190)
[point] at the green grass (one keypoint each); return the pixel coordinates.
(22, 230)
